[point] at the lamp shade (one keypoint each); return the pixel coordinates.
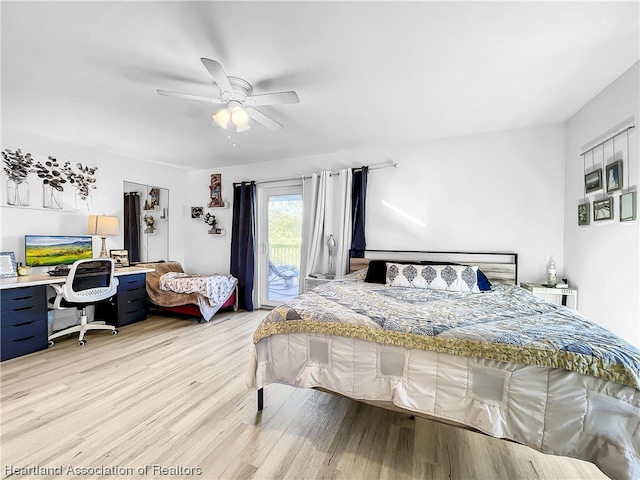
(103, 225)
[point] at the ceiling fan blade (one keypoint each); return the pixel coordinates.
(218, 74)
(167, 93)
(268, 122)
(276, 98)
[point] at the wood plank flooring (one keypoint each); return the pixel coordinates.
(167, 399)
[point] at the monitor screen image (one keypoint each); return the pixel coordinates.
(48, 250)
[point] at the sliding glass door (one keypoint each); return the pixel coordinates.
(280, 240)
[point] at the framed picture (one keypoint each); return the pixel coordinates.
(196, 212)
(613, 176)
(8, 267)
(593, 181)
(603, 209)
(120, 257)
(583, 214)
(628, 206)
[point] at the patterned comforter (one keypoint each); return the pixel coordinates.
(507, 324)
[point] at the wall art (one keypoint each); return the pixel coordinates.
(603, 209)
(628, 206)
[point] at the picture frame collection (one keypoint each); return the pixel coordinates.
(603, 208)
(610, 180)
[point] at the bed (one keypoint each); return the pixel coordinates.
(427, 340)
(193, 303)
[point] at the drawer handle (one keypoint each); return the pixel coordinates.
(23, 298)
(24, 339)
(21, 324)
(30, 307)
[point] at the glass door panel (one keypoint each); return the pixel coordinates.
(281, 236)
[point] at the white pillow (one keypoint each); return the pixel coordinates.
(454, 278)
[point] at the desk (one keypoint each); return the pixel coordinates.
(46, 279)
(24, 309)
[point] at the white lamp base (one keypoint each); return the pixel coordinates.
(103, 252)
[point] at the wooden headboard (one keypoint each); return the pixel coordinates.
(499, 267)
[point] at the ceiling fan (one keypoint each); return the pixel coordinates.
(235, 94)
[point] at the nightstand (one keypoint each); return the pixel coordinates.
(542, 291)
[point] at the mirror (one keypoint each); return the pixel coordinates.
(146, 224)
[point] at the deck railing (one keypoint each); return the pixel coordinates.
(283, 254)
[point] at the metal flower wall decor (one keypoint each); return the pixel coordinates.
(17, 167)
(54, 176)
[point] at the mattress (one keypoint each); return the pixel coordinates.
(503, 362)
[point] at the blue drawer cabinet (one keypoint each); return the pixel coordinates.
(129, 305)
(23, 321)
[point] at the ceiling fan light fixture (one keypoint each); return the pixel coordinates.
(239, 117)
(221, 117)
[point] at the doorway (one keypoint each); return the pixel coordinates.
(280, 240)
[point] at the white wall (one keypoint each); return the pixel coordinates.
(499, 191)
(15, 222)
(602, 259)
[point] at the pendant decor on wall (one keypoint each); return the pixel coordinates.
(53, 179)
(17, 166)
(153, 199)
(55, 176)
(612, 183)
(215, 191)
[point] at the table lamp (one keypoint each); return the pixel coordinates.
(103, 225)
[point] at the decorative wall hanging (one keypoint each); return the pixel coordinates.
(593, 181)
(17, 167)
(153, 199)
(613, 180)
(603, 209)
(149, 221)
(583, 214)
(628, 200)
(215, 191)
(212, 222)
(613, 176)
(628, 206)
(53, 179)
(54, 176)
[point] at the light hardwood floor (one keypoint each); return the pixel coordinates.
(170, 393)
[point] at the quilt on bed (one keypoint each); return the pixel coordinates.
(505, 324)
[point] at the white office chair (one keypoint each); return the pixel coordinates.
(88, 281)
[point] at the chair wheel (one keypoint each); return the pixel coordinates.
(114, 332)
(50, 343)
(82, 343)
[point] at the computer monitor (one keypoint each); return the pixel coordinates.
(48, 250)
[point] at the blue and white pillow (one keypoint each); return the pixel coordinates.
(454, 278)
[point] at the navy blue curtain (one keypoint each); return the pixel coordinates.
(242, 241)
(358, 209)
(131, 226)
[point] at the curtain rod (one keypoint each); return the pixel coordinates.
(606, 140)
(374, 167)
(304, 177)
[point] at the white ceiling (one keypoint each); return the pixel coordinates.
(367, 73)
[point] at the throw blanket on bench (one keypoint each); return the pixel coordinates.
(212, 290)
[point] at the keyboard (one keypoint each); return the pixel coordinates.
(59, 271)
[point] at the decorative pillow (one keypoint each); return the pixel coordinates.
(483, 282)
(377, 272)
(455, 278)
